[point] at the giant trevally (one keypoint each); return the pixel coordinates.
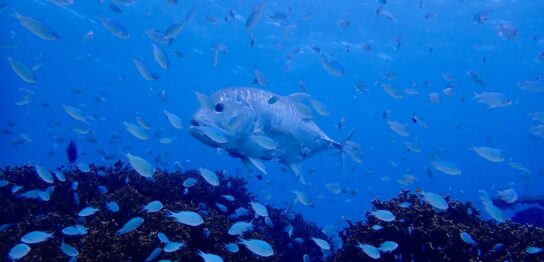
(254, 124)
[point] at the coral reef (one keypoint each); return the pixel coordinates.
(132, 192)
(424, 234)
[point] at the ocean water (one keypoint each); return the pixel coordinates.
(447, 75)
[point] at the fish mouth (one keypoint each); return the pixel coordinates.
(194, 123)
(195, 129)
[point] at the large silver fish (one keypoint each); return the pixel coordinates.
(255, 124)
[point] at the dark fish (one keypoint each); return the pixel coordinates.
(71, 152)
(480, 18)
(115, 9)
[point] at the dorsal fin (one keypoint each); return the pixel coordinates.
(203, 99)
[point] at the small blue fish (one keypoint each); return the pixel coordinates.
(152, 207)
(189, 218)
(173, 246)
(154, 254)
(84, 167)
(19, 251)
(209, 257)
(435, 200)
(239, 228)
(36, 237)
(16, 189)
(299, 240)
(112, 206)
(31, 194)
(88, 211)
(377, 227)
(388, 246)
(321, 243)
(238, 213)
(4, 227)
(76, 199)
(383, 215)
(260, 209)
(497, 247)
(289, 230)
(369, 250)
(189, 182)
(232, 247)
(206, 232)
(75, 230)
(60, 176)
(44, 174)
(221, 207)
(268, 222)
(257, 247)
(4, 183)
(228, 197)
(47, 192)
(131, 225)
(533, 250)
(68, 249)
(163, 238)
(467, 238)
(405, 204)
(102, 190)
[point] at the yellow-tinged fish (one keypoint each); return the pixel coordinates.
(399, 128)
(75, 113)
(174, 120)
(141, 165)
(332, 66)
(392, 91)
(160, 56)
(144, 70)
(37, 27)
(255, 15)
(448, 168)
(136, 131)
(24, 72)
(491, 154)
(115, 27)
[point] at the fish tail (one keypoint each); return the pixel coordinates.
(351, 148)
(16, 15)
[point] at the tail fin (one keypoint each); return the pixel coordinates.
(350, 148)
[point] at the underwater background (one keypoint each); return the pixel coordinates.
(444, 96)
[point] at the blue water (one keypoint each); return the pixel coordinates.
(101, 66)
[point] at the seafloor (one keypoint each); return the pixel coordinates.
(422, 233)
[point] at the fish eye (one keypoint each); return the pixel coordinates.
(219, 107)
